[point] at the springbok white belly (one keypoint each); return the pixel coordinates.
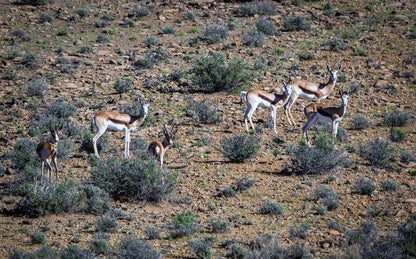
(307, 96)
(115, 127)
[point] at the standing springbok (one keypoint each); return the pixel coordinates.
(158, 149)
(117, 122)
(320, 111)
(255, 98)
(310, 90)
(48, 152)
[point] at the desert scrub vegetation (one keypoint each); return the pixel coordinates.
(214, 33)
(82, 12)
(397, 134)
(398, 118)
(218, 225)
(204, 112)
(257, 7)
(134, 248)
(183, 224)
(151, 41)
(360, 122)
(268, 247)
(212, 74)
(300, 230)
(139, 12)
(123, 85)
(23, 154)
(267, 27)
(240, 148)
(321, 158)
(364, 186)
(107, 223)
(253, 38)
(327, 197)
(378, 152)
(152, 232)
(270, 207)
(202, 246)
(296, 23)
(133, 179)
(168, 30)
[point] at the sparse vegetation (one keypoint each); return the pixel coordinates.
(204, 112)
(240, 148)
(253, 38)
(183, 225)
(360, 122)
(364, 186)
(296, 23)
(378, 152)
(397, 134)
(202, 247)
(134, 248)
(123, 85)
(299, 230)
(398, 118)
(260, 8)
(215, 33)
(271, 208)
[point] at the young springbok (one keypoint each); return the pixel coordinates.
(158, 149)
(320, 111)
(48, 152)
(310, 90)
(255, 98)
(117, 122)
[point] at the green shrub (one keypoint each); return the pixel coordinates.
(244, 184)
(271, 208)
(296, 23)
(227, 192)
(202, 247)
(267, 27)
(57, 113)
(364, 186)
(168, 30)
(204, 112)
(365, 235)
(151, 41)
(100, 246)
(44, 17)
(101, 23)
(134, 248)
(213, 74)
(397, 135)
(85, 49)
(296, 251)
(378, 152)
(218, 225)
(360, 51)
(240, 148)
(29, 60)
(136, 180)
(257, 7)
(327, 196)
(98, 201)
(190, 16)
(299, 230)
(407, 157)
(42, 252)
(183, 225)
(139, 12)
(320, 210)
(87, 146)
(360, 122)
(73, 252)
(63, 32)
(37, 238)
(266, 247)
(65, 148)
(407, 237)
(107, 223)
(21, 34)
(336, 45)
(412, 32)
(389, 186)
(398, 118)
(152, 232)
(106, 17)
(123, 85)
(306, 56)
(328, 9)
(82, 12)
(215, 33)
(253, 38)
(319, 159)
(236, 251)
(128, 23)
(24, 154)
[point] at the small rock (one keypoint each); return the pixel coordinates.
(401, 213)
(334, 232)
(325, 245)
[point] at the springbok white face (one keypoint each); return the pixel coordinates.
(144, 106)
(334, 74)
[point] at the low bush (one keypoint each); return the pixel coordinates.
(321, 158)
(85, 49)
(107, 223)
(335, 45)
(365, 235)
(213, 74)
(378, 152)
(296, 251)
(389, 186)
(267, 27)
(98, 201)
(151, 41)
(63, 32)
(397, 134)
(42, 252)
(202, 247)
(74, 251)
(123, 85)
(306, 56)
(364, 186)
(244, 184)
(218, 225)
(44, 17)
(106, 17)
(215, 33)
(139, 12)
(100, 246)
(152, 232)
(82, 12)
(360, 122)
(398, 118)
(407, 157)
(257, 7)
(37, 87)
(183, 225)
(296, 23)
(299, 230)
(240, 148)
(271, 208)
(24, 154)
(327, 197)
(253, 38)
(328, 9)
(204, 112)
(236, 251)
(65, 148)
(168, 30)
(21, 34)
(134, 248)
(29, 60)
(136, 180)
(37, 238)
(227, 192)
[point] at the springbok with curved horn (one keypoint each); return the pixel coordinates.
(273, 100)
(320, 111)
(117, 122)
(310, 90)
(48, 152)
(158, 149)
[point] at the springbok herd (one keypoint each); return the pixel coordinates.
(253, 98)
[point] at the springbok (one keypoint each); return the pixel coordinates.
(320, 111)
(117, 122)
(158, 149)
(310, 90)
(48, 152)
(273, 100)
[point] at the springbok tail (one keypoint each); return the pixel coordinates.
(92, 122)
(243, 96)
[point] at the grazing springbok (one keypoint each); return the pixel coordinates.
(48, 152)
(320, 111)
(310, 90)
(117, 122)
(158, 149)
(273, 100)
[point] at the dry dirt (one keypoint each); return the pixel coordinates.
(390, 53)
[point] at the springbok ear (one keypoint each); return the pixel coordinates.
(327, 67)
(339, 67)
(340, 92)
(139, 99)
(349, 91)
(148, 101)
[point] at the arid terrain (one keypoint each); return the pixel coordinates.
(80, 49)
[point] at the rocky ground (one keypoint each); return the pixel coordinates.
(378, 59)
